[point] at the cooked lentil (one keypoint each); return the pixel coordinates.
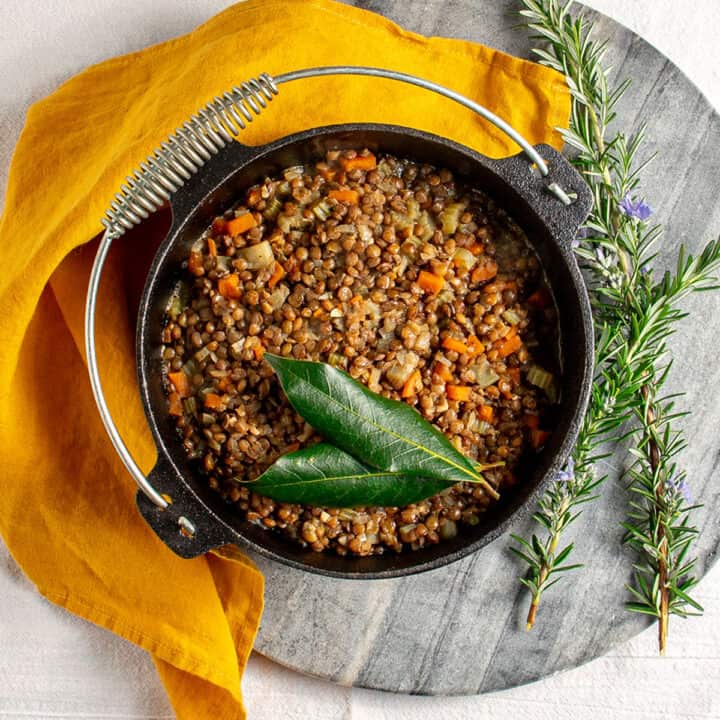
(420, 287)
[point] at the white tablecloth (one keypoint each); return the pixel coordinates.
(53, 665)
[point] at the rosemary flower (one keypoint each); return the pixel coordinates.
(637, 209)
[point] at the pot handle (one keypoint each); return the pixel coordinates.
(189, 148)
(562, 199)
(183, 524)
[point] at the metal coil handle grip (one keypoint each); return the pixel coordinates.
(180, 156)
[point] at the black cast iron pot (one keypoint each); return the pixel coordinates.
(516, 187)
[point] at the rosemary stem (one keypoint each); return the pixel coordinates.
(653, 454)
(544, 569)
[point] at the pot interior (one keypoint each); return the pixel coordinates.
(214, 188)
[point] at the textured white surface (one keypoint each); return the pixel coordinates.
(53, 665)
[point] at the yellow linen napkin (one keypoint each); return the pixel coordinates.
(67, 510)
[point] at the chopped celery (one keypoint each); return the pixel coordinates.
(544, 380)
(272, 209)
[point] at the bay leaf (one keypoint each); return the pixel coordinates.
(324, 475)
(385, 434)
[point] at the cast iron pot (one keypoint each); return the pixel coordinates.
(514, 184)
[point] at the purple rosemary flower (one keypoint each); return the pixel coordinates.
(582, 233)
(680, 486)
(637, 209)
(568, 474)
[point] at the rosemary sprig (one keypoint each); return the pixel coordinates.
(633, 317)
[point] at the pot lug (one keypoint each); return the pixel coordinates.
(562, 219)
(185, 526)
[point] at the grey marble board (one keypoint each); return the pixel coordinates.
(460, 630)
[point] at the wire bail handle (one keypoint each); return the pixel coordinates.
(180, 156)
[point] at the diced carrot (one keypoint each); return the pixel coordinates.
(476, 347)
(355, 299)
(540, 298)
(224, 384)
(486, 413)
(258, 351)
(531, 421)
(410, 386)
(476, 248)
(195, 263)
(212, 247)
(219, 225)
(514, 374)
(291, 448)
(458, 392)
(450, 343)
(443, 371)
(538, 437)
(254, 196)
(213, 401)
(350, 197)
(277, 275)
(509, 345)
(181, 382)
(359, 162)
(484, 272)
(229, 286)
(241, 224)
(430, 282)
(175, 404)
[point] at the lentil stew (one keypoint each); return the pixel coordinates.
(419, 286)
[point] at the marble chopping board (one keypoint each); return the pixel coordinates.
(460, 629)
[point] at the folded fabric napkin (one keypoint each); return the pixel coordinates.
(67, 510)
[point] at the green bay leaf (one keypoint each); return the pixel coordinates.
(327, 476)
(385, 434)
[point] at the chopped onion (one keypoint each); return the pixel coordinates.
(427, 225)
(365, 233)
(258, 256)
(223, 263)
(413, 209)
(237, 347)
(450, 217)
(279, 296)
(484, 374)
(294, 172)
(511, 317)
(398, 374)
(464, 258)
